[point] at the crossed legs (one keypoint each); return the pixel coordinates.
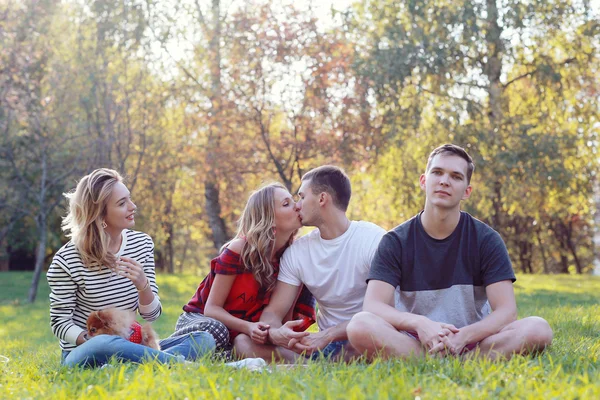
(373, 336)
(337, 351)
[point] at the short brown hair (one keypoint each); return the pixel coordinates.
(457, 151)
(333, 180)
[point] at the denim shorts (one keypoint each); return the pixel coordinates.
(333, 349)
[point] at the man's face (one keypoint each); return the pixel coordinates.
(445, 183)
(308, 205)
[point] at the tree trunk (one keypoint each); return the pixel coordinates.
(564, 263)
(493, 70)
(170, 256)
(4, 257)
(544, 260)
(596, 240)
(569, 236)
(39, 256)
(167, 227)
(211, 183)
(42, 225)
(523, 243)
(185, 250)
(557, 228)
(497, 207)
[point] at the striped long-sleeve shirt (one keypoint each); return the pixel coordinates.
(76, 291)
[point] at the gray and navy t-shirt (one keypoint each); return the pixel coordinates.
(443, 280)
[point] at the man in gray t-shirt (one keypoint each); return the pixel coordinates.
(442, 282)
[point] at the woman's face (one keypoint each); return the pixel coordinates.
(120, 210)
(287, 219)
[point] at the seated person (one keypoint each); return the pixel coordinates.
(332, 261)
(454, 280)
(106, 264)
(242, 277)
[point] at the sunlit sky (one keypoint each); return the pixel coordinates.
(181, 46)
(321, 9)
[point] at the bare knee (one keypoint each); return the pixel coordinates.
(242, 345)
(360, 330)
(538, 333)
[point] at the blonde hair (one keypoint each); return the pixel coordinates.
(87, 209)
(256, 227)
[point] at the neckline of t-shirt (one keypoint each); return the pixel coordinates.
(447, 238)
(339, 238)
(123, 243)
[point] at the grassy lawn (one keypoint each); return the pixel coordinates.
(30, 365)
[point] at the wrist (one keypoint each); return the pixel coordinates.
(274, 336)
(327, 334)
(249, 328)
(417, 322)
(82, 338)
(465, 335)
(145, 286)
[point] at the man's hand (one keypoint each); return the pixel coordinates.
(283, 335)
(454, 343)
(258, 332)
(313, 342)
(431, 334)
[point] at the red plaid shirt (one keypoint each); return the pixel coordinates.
(246, 299)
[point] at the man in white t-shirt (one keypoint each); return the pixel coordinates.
(332, 261)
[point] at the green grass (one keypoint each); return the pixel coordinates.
(569, 369)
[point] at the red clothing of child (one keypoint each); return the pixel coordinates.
(246, 299)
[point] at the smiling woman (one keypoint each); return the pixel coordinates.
(107, 264)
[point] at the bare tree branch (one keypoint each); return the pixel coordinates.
(531, 73)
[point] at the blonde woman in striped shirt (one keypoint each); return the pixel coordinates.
(107, 264)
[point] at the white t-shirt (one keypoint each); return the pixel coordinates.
(335, 271)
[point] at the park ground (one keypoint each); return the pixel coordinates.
(569, 369)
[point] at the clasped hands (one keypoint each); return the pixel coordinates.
(285, 336)
(441, 338)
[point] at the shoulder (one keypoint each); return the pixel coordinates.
(67, 254)
(236, 245)
(299, 248)
(368, 228)
(67, 259)
(304, 241)
(137, 239)
(402, 231)
(483, 231)
(137, 236)
(228, 262)
(366, 235)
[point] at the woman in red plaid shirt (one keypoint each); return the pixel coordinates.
(243, 276)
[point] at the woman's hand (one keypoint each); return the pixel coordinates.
(82, 338)
(258, 332)
(132, 270)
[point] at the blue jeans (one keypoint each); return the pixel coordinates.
(331, 350)
(99, 349)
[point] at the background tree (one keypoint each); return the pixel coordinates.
(198, 102)
(500, 79)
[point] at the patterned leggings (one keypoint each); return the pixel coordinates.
(196, 322)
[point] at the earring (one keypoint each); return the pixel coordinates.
(274, 231)
(104, 225)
